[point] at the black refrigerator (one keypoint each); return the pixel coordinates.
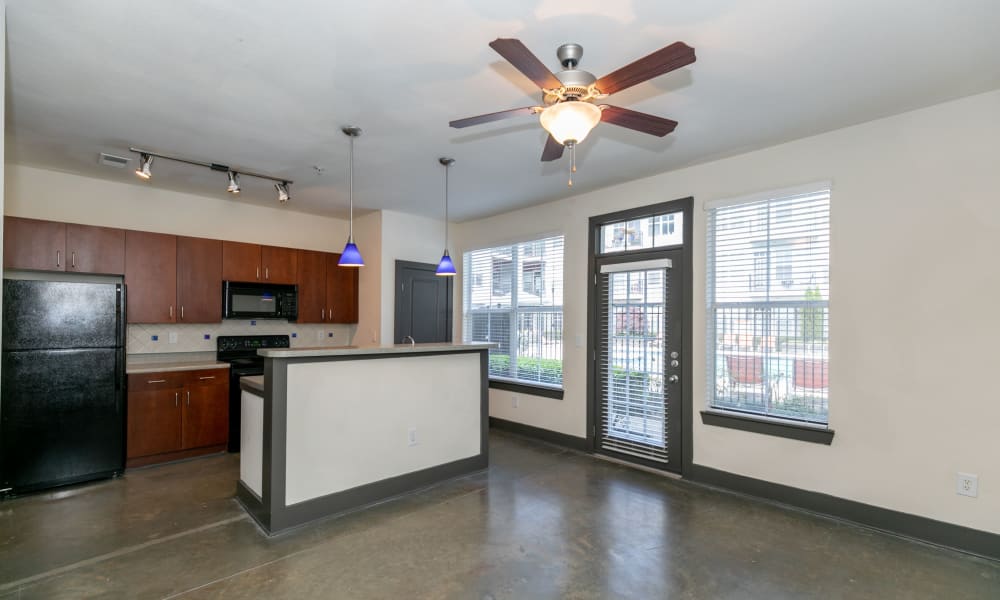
(62, 384)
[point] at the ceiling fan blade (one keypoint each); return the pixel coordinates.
(638, 121)
(487, 118)
(553, 150)
(662, 61)
(524, 61)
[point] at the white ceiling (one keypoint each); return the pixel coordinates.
(266, 85)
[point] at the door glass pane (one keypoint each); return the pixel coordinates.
(634, 396)
(642, 234)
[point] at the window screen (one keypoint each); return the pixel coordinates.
(513, 296)
(768, 263)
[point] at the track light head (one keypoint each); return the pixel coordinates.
(282, 189)
(145, 161)
(234, 183)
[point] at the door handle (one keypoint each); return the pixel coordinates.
(73, 259)
(171, 311)
(673, 379)
(182, 311)
(189, 398)
(157, 381)
(267, 273)
(322, 314)
(258, 272)
(203, 377)
(177, 396)
(58, 257)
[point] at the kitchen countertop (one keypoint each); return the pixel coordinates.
(367, 350)
(253, 384)
(181, 361)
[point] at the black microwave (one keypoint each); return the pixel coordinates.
(259, 301)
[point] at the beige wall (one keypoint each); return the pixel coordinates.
(915, 224)
(405, 237)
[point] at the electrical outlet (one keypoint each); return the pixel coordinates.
(967, 485)
(411, 436)
(515, 401)
(319, 336)
(172, 337)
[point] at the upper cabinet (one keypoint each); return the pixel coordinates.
(312, 286)
(51, 246)
(199, 280)
(151, 277)
(252, 262)
(341, 291)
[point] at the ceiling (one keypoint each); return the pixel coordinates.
(266, 86)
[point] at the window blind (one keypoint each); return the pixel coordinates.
(513, 296)
(768, 275)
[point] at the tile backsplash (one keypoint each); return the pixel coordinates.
(154, 339)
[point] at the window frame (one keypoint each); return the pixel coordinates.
(720, 416)
(515, 310)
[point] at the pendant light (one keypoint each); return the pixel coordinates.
(446, 268)
(351, 257)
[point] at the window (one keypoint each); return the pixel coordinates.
(642, 234)
(768, 293)
(513, 296)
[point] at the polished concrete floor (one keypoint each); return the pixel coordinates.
(541, 523)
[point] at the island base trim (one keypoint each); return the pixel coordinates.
(283, 518)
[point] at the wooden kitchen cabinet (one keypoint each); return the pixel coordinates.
(91, 249)
(199, 280)
(206, 413)
(240, 262)
(151, 277)
(51, 246)
(341, 291)
(312, 286)
(176, 415)
(253, 262)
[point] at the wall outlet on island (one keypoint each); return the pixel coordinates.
(411, 436)
(968, 485)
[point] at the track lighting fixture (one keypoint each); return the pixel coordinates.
(145, 160)
(233, 187)
(282, 189)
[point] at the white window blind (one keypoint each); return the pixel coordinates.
(768, 274)
(513, 296)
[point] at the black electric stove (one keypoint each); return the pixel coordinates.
(240, 351)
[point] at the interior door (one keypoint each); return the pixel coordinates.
(423, 303)
(638, 361)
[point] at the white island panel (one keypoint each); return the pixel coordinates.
(252, 441)
(349, 422)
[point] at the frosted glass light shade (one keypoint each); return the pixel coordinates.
(351, 257)
(570, 120)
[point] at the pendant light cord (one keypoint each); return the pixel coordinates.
(446, 168)
(350, 235)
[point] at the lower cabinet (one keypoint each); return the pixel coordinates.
(175, 415)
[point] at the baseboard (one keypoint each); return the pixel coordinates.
(957, 537)
(545, 435)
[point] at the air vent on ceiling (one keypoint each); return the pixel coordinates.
(111, 160)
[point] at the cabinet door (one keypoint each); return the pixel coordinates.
(34, 244)
(199, 280)
(95, 249)
(151, 276)
(312, 286)
(341, 291)
(206, 415)
(154, 422)
(241, 262)
(278, 265)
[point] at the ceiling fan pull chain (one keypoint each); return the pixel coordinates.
(572, 163)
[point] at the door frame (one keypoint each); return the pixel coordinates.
(686, 207)
(397, 307)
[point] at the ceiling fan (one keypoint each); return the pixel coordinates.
(569, 111)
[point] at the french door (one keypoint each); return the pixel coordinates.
(638, 359)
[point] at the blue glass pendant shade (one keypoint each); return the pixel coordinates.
(446, 268)
(351, 257)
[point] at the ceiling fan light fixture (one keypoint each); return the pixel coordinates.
(571, 120)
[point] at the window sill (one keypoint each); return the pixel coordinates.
(803, 432)
(525, 388)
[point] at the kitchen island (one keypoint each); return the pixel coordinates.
(326, 430)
